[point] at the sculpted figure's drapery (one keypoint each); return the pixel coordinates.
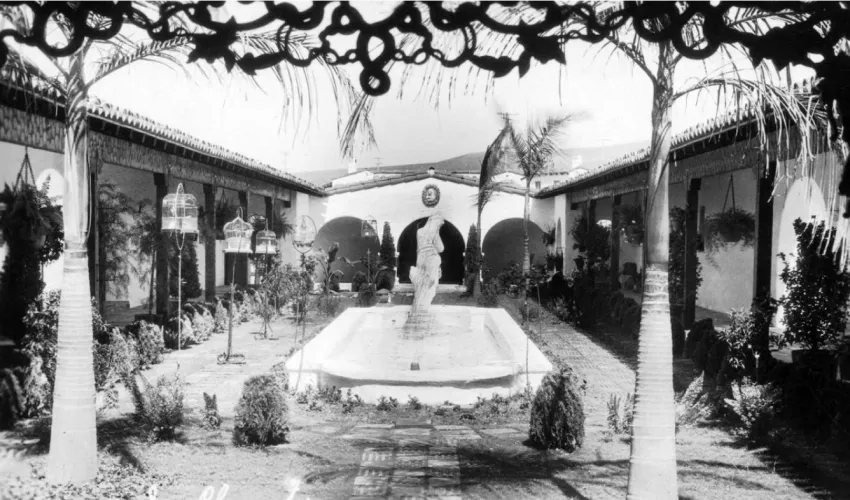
(426, 274)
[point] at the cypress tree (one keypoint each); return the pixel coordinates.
(191, 283)
(470, 259)
(388, 257)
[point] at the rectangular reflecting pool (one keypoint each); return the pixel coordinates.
(453, 353)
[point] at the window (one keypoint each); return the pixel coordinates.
(537, 184)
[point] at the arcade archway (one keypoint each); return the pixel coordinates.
(452, 257)
(503, 245)
(346, 232)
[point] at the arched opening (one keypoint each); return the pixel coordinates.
(452, 256)
(346, 231)
(503, 245)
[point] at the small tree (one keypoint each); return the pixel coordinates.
(388, 258)
(191, 287)
(470, 260)
(818, 288)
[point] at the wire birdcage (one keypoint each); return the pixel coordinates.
(266, 242)
(304, 234)
(237, 235)
(180, 212)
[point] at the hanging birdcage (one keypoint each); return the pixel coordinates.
(304, 234)
(266, 242)
(237, 235)
(180, 212)
(369, 228)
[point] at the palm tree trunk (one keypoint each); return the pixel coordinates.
(652, 467)
(526, 257)
(73, 437)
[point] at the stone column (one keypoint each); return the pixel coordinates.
(162, 294)
(209, 242)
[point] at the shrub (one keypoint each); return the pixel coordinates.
(413, 403)
(149, 343)
(386, 404)
(510, 277)
(742, 339)
(697, 403)
(695, 335)
(818, 288)
(351, 402)
(621, 414)
(754, 405)
(212, 419)
(12, 398)
(471, 259)
(529, 311)
(557, 413)
(185, 336)
(561, 309)
(385, 280)
(358, 281)
(328, 305)
(261, 414)
(278, 371)
(631, 320)
(366, 296)
(203, 323)
(159, 407)
(489, 295)
(221, 318)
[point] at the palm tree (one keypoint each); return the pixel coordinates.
(488, 186)
(73, 445)
(533, 151)
(652, 467)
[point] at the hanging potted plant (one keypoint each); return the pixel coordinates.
(729, 227)
(630, 223)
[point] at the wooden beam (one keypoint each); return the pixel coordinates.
(691, 258)
(763, 253)
(209, 242)
(162, 293)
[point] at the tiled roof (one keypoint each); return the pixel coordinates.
(702, 131)
(131, 120)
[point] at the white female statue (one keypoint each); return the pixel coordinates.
(426, 274)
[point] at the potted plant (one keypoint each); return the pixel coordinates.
(728, 228)
(817, 291)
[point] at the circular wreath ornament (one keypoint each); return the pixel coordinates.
(430, 196)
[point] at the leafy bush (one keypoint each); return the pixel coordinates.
(818, 288)
(149, 342)
(203, 323)
(159, 407)
(471, 259)
(755, 406)
(358, 281)
(185, 336)
(561, 309)
(529, 311)
(12, 398)
(557, 413)
(40, 341)
(695, 335)
(211, 418)
(743, 339)
(510, 277)
(489, 295)
(386, 404)
(366, 296)
(115, 479)
(699, 403)
(351, 402)
(631, 320)
(621, 414)
(278, 371)
(261, 414)
(385, 279)
(592, 240)
(221, 319)
(328, 305)
(413, 403)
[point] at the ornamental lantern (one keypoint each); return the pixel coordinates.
(305, 234)
(237, 235)
(266, 242)
(180, 212)
(369, 228)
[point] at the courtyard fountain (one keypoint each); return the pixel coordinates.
(432, 352)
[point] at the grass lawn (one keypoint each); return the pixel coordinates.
(712, 463)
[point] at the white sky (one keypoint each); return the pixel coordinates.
(613, 98)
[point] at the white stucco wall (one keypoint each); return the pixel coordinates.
(401, 204)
